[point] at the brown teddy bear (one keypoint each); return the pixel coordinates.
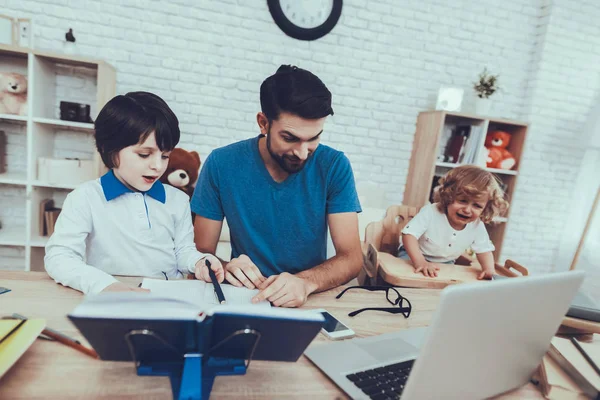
(496, 143)
(182, 171)
(13, 94)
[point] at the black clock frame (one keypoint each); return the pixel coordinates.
(299, 33)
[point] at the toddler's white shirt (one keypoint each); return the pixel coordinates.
(439, 242)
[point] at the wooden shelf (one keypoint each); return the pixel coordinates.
(39, 241)
(13, 178)
(65, 124)
(502, 171)
(432, 129)
(479, 117)
(65, 186)
(12, 236)
(492, 170)
(12, 117)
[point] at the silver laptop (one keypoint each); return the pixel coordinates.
(484, 339)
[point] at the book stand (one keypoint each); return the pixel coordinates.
(187, 370)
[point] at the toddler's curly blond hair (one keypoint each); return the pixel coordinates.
(473, 182)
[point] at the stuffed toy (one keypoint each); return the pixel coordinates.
(13, 94)
(496, 143)
(182, 171)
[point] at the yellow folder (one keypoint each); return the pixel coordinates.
(16, 343)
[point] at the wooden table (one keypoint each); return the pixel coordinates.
(50, 370)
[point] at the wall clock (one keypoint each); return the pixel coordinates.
(305, 19)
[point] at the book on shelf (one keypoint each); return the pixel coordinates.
(572, 361)
(2, 152)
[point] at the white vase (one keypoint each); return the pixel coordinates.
(482, 106)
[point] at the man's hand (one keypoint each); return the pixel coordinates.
(427, 269)
(121, 287)
(201, 270)
(241, 271)
(284, 290)
(486, 274)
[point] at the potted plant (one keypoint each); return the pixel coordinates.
(486, 86)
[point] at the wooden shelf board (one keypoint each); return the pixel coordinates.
(65, 124)
(12, 117)
(13, 178)
(492, 170)
(39, 241)
(55, 185)
(10, 236)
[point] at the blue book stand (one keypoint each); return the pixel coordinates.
(192, 368)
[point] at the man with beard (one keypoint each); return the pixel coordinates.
(279, 192)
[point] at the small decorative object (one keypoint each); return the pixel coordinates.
(496, 143)
(486, 86)
(449, 99)
(13, 93)
(182, 171)
(305, 20)
(75, 112)
(24, 35)
(69, 44)
(66, 171)
(7, 30)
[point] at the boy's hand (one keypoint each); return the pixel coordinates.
(427, 269)
(121, 287)
(486, 274)
(201, 270)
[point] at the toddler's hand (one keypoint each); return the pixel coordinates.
(201, 271)
(121, 287)
(427, 269)
(486, 274)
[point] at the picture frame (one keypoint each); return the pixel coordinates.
(7, 30)
(24, 32)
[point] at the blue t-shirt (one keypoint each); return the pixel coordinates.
(282, 227)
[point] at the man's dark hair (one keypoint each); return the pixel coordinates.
(129, 119)
(296, 91)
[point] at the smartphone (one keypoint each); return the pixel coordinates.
(333, 328)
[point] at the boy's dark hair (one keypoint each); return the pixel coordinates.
(129, 119)
(297, 91)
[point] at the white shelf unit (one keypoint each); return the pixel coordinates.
(52, 78)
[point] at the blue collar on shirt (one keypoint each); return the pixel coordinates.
(113, 188)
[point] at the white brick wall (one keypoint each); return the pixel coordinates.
(384, 63)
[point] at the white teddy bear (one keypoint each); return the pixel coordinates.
(13, 94)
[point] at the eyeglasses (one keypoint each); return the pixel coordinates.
(391, 294)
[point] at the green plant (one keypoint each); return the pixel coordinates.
(487, 84)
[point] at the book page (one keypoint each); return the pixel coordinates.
(201, 293)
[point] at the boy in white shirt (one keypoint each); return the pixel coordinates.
(468, 197)
(127, 222)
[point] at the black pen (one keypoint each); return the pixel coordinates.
(215, 282)
(585, 355)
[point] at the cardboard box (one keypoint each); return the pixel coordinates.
(66, 171)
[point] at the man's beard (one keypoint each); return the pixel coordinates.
(289, 164)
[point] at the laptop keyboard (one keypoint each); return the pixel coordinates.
(383, 382)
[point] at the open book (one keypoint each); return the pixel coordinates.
(201, 293)
(171, 322)
(570, 359)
